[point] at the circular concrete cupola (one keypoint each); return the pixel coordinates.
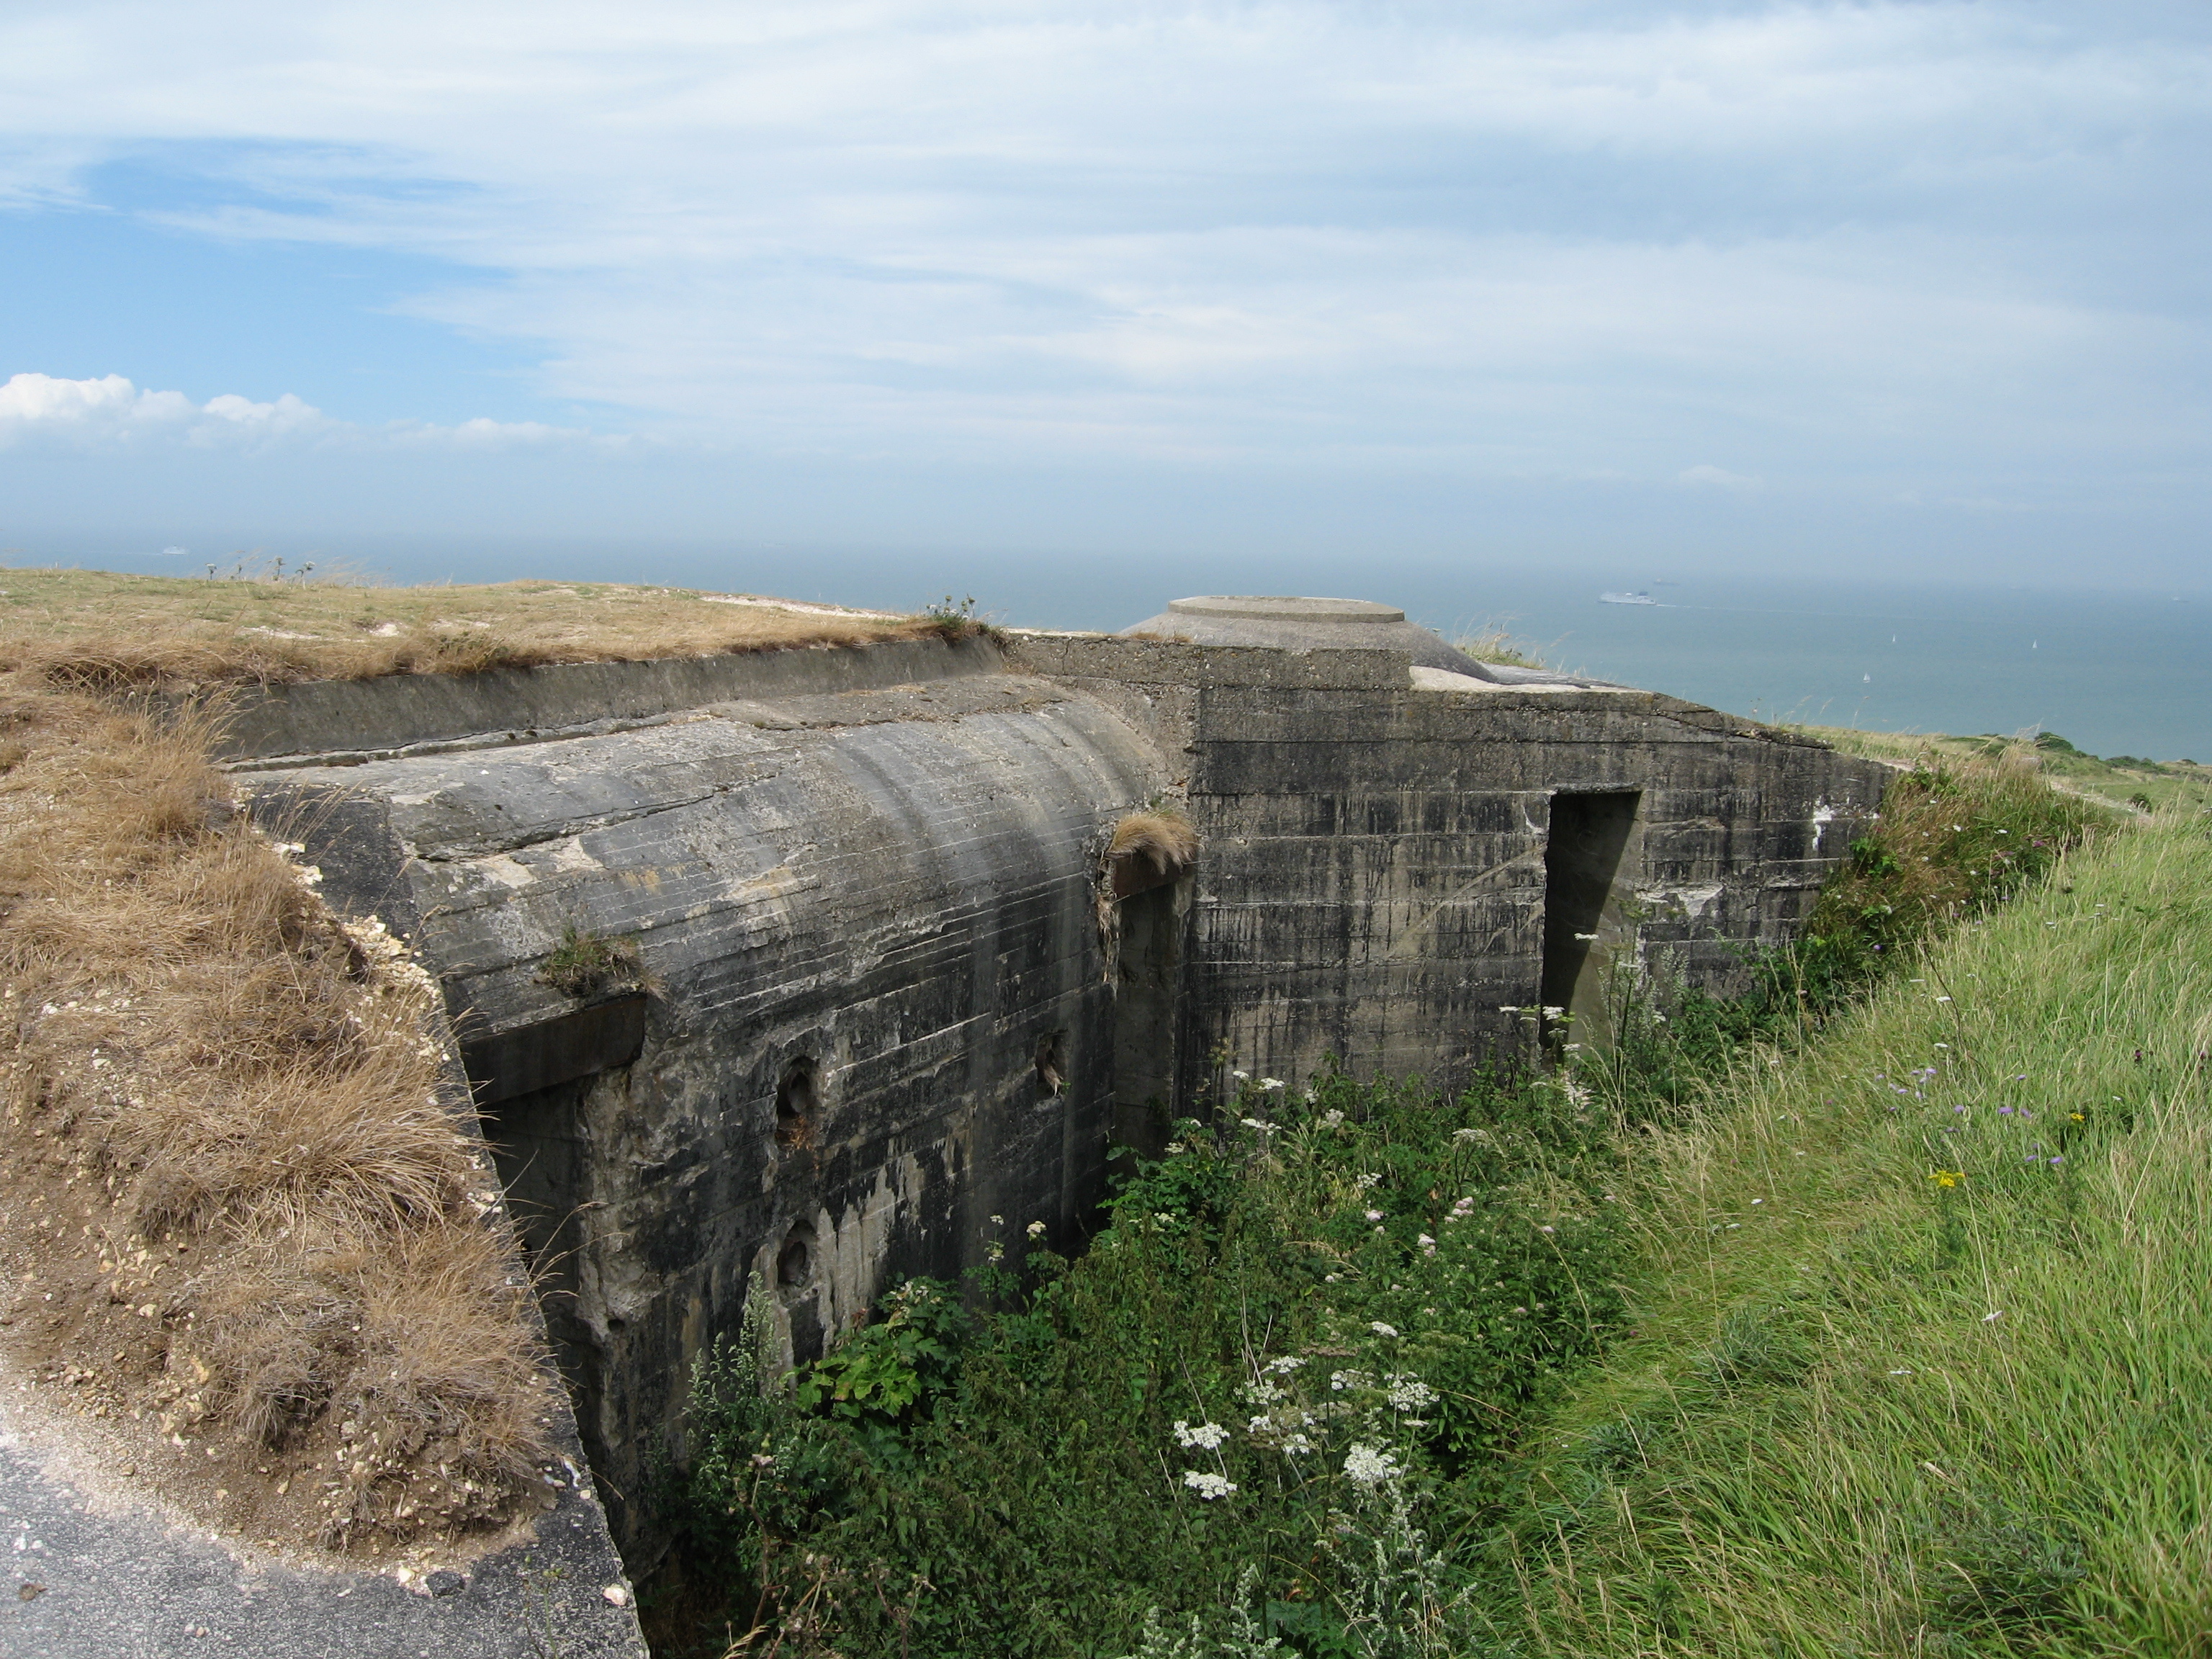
(1305, 624)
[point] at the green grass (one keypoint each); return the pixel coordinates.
(2121, 779)
(1900, 1382)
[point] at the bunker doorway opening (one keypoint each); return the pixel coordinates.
(798, 1099)
(1587, 922)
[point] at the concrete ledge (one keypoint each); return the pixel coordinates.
(1175, 662)
(364, 720)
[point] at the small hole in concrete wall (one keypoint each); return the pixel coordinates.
(794, 1263)
(796, 1099)
(1052, 1062)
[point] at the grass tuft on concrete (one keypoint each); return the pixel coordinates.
(1162, 838)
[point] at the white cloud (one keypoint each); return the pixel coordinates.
(112, 408)
(1824, 239)
(41, 400)
(288, 414)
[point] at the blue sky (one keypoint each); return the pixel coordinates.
(1900, 289)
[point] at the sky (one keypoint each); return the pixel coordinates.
(1251, 290)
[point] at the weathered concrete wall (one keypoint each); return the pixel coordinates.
(890, 889)
(864, 885)
(1373, 884)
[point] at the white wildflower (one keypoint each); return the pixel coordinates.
(1297, 1446)
(1271, 1082)
(1340, 1380)
(1242, 1077)
(1208, 1486)
(1285, 1366)
(1259, 1123)
(1463, 1136)
(1371, 1465)
(1382, 1329)
(1262, 1393)
(1332, 1119)
(1162, 1218)
(1375, 1215)
(1037, 1230)
(1206, 1436)
(1407, 1392)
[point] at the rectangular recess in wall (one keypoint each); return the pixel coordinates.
(598, 1037)
(1589, 834)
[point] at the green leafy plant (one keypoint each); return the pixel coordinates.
(886, 1373)
(585, 963)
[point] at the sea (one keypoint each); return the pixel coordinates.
(2114, 670)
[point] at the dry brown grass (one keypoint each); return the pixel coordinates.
(95, 631)
(235, 1164)
(1161, 837)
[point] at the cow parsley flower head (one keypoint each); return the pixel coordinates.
(1206, 1436)
(1285, 1366)
(1370, 1466)
(1208, 1486)
(1407, 1392)
(1262, 1393)
(1382, 1329)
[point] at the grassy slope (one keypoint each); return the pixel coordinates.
(95, 630)
(1868, 1412)
(2182, 784)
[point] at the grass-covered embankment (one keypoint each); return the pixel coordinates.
(1923, 1359)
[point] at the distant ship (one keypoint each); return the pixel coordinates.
(1625, 599)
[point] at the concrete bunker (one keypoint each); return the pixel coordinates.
(910, 994)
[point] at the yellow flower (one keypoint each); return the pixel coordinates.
(1945, 1177)
(2077, 1117)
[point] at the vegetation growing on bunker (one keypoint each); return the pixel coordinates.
(585, 963)
(1160, 838)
